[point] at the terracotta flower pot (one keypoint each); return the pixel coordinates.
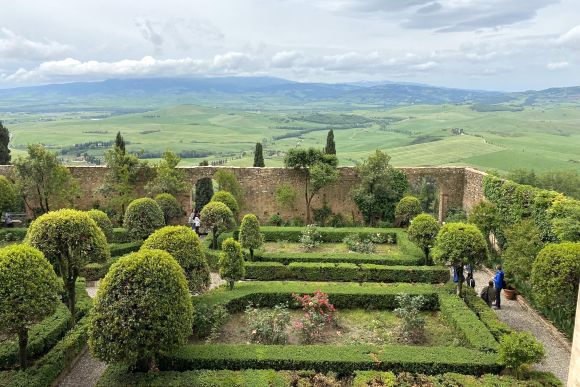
(510, 294)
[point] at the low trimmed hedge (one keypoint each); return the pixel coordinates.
(95, 271)
(348, 272)
(15, 234)
(473, 330)
(119, 249)
(121, 235)
(326, 358)
(486, 314)
(388, 260)
(44, 335)
(328, 234)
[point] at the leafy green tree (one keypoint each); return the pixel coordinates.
(556, 277)
(517, 350)
(406, 209)
(227, 181)
(523, 176)
(103, 222)
(524, 242)
(219, 218)
(459, 244)
(4, 141)
(142, 217)
(425, 189)
(231, 262)
(259, 156)
(185, 246)
(319, 171)
(168, 178)
(380, 189)
(330, 148)
(29, 291)
(43, 181)
(565, 219)
(566, 182)
(143, 307)
(485, 216)
(228, 199)
(422, 232)
(69, 239)
(203, 192)
(170, 207)
(250, 236)
(285, 196)
(7, 195)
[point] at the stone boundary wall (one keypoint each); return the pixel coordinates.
(458, 186)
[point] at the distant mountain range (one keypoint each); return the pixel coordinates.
(124, 95)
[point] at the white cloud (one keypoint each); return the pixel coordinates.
(570, 38)
(18, 48)
(558, 65)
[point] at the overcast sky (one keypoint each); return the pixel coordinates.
(483, 44)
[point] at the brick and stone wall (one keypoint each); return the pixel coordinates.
(458, 186)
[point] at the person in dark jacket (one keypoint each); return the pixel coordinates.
(488, 293)
(498, 282)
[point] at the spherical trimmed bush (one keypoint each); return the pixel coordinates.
(7, 194)
(228, 199)
(29, 291)
(142, 217)
(143, 307)
(407, 208)
(555, 276)
(69, 239)
(170, 207)
(103, 222)
(185, 246)
(422, 232)
(218, 218)
(231, 262)
(250, 236)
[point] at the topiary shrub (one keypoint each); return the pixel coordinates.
(422, 232)
(103, 222)
(459, 244)
(486, 217)
(142, 217)
(170, 207)
(69, 239)
(185, 246)
(228, 199)
(555, 277)
(517, 350)
(142, 307)
(250, 236)
(7, 195)
(29, 291)
(231, 262)
(217, 217)
(407, 208)
(276, 220)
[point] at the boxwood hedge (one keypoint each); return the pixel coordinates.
(96, 271)
(328, 234)
(389, 260)
(348, 272)
(12, 234)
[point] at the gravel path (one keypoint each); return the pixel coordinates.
(557, 357)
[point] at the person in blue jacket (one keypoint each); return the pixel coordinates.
(498, 283)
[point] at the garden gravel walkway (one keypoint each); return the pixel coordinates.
(557, 357)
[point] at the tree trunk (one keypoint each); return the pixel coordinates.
(71, 296)
(22, 343)
(214, 242)
(307, 201)
(459, 271)
(143, 364)
(427, 259)
(231, 284)
(251, 254)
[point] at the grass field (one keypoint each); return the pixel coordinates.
(539, 137)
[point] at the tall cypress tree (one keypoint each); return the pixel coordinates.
(203, 192)
(4, 140)
(259, 156)
(330, 148)
(120, 143)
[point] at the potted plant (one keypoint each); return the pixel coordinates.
(509, 290)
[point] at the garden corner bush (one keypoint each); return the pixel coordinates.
(142, 307)
(142, 217)
(103, 222)
(185, 246)
(407, 208)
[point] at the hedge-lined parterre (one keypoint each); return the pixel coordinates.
(394, 259)
(328, 234)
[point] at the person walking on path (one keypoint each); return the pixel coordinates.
(498, 282)
(488, 294)
(197, 223)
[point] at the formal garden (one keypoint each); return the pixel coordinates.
(283, 304)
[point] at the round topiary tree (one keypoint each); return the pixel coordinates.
(518, 350)
(103, 222)
(185, 246)
(231, 262)
(219, 218)
(422, 232)
(228, 199)
(143, 306)
(69, 239)
(29, 291)
(407, 208)
(7, 195)
(459, 244)
(142, 217)
(555, 277)
(170, 207)
(250, 236)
